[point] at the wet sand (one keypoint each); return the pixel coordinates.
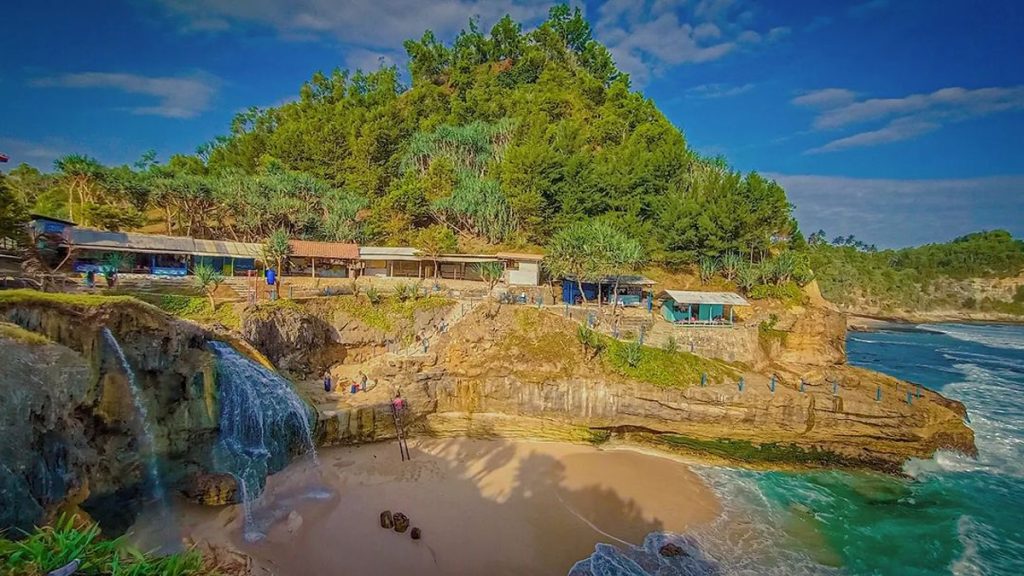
(484, 507)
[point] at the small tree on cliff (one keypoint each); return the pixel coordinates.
(208, 280)
(490, 272)
(433, 241)
(276, 249)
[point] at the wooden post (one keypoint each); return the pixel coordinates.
(314, 267)
(419, 269)
(391, 268)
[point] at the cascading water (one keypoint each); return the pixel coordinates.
(261, 418)
(143, 431)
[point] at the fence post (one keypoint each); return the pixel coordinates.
(566, 309)
(641, 334)
(772, 384)
(703, 379)
(918, 390)
(741, 383)
(878, 394)
(910, 397)
(835, 388)
(801, 385)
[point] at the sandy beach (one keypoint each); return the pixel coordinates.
(484, 507)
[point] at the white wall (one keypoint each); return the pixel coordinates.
(527, 274)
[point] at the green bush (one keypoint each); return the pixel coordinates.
(788, 292)
(632, 353)
(49, 548)
(671, 344)
(661, 367)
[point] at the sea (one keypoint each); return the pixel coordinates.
(952, 514)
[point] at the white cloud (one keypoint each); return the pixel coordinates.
(177, 97)
(40, 154)
(380, 24)
(902, 118)
(713, 91)
(648, 38)
(879, 210)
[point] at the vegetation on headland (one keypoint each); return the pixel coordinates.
(919, 278)
(502, 138)
(48, 548)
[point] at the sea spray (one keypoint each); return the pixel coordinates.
(143, 430)
(261, 419)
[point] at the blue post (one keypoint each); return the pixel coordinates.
(835, 388)
(540, 301)
(703, 379)
(426, 345)
(772, 384)
(918, 390)
(878, 394)
(801, 384)
(741, 383)
(910, 397)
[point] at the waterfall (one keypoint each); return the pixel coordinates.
(261, 418)
(143, 431)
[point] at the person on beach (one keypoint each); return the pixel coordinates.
(362, 381)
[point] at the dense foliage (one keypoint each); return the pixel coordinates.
(503, 137)
(50, 548)
(915, 278)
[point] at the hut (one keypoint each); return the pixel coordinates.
(700, 308)
(521, 269)
(630, 289)
(323, 259)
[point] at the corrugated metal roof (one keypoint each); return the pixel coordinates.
(464, 258)
(520, 256)
(624, 280)
(694, 297)
(131, 241)
(310, 249)
(387, 251)
(227, 248)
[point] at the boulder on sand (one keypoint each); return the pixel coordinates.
(386, 520)
(415, 533)
(401, 522)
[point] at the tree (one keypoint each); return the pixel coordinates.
(208, 280)
(622, 255)
(81, 176)
(13, 215)
(434, 241)
(276, 248)
(583, 250)
(491, 272)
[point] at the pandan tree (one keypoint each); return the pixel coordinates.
(490, 272)
(276, 249)
(208, 279)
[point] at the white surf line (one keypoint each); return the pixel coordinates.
(591, 524)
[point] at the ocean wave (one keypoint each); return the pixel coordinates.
(1005, 337)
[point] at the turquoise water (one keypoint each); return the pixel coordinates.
(956, 516)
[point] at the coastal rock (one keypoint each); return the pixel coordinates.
(670, 549)
(416, 534)
(212, 489)
(386, 521)
(401, 522)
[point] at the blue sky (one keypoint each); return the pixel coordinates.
(899, 121)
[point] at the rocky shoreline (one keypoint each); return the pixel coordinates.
(501, 372)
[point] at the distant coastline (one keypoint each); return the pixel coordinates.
(865, 322)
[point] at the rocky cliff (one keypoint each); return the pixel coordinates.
(520, 372)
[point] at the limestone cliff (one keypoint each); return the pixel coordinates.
(66, 412)
(520, 372)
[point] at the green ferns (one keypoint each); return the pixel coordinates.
(49, 548)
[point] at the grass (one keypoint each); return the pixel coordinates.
(788, 292)
(661, 367)
(49, 548)
(195, 308)
(26, 296)
(19, 334)
(389, 311)
(746, 451)
(534, 337)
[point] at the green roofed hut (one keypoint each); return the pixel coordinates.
(692, 308)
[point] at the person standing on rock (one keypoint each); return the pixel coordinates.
(362, 381)
(328, 385)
